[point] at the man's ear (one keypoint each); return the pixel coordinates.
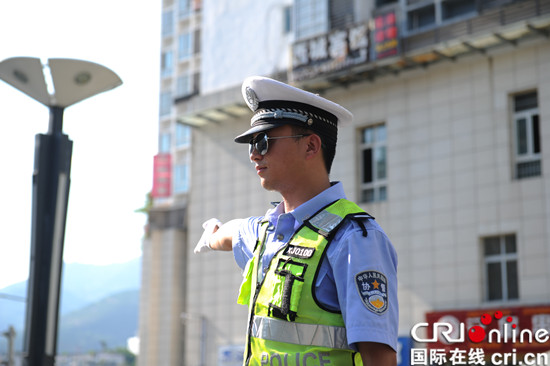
(313, 145)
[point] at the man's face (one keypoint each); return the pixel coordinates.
(279, 168)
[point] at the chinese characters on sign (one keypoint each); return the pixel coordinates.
(386, 40)
(330, 52)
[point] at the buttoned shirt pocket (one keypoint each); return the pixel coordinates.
(287, 288)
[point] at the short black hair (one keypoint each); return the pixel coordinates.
(328, 148)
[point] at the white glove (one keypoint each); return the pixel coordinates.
(204, 242)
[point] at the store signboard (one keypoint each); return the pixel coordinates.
(385, 35)
(330, 52)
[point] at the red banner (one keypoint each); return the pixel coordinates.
(162, 176)
(386, 35)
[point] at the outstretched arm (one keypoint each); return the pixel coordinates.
(222, 238)
(217, 236)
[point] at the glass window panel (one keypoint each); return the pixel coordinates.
(492, 246)
(521, 136)
(382, 193)
(164, 143)
(167, 23)
(367, 165)
(367, 195)
(494, 281)
(536, 134)
(183, 135)
(529, 169)
(384, 2)
(181, 178)
(287, 19)
(381, 133)
(312, 18)
(368, 136)
(512, 279)
(183, 85)
(421, 17)
(184, 7)
(510, 243)
(454, 8)
(185, 45)
(526, 101)
(381, 162)
(165, 103)
(167, 63)
(341, 13)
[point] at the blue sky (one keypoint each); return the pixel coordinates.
(114, 133)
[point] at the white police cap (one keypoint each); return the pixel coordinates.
(276, 104)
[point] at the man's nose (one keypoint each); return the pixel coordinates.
(254, 154)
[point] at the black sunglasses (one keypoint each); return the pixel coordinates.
(260, 142)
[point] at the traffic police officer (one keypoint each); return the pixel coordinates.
(319, 273)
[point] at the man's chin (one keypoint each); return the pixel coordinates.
(266, 185)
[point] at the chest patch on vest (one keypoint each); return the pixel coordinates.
(299, 252)
(373, 289)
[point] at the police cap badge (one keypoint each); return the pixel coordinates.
(276, 104)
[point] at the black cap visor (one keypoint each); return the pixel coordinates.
(262, 126)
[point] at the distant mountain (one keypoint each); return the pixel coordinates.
(107, 323)
(82, 285)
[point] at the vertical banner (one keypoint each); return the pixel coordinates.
(162, 176)
(386, 41)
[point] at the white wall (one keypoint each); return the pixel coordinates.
(241, 38)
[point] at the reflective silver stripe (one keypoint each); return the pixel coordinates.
(326, 221)
(278, 114)
(297, 333)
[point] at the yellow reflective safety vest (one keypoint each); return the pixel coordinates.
(287, 324)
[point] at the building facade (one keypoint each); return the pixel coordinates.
(448, 150)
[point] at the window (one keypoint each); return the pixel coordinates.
(287, 19)
(183, 135)
(380, 3)
(164, 143)
(316, 17)
(181, 178)
(311, 18)
(165, 106)
(455, 8)
(184, 85)
(527, 136)
(423, 15)
(184, 8)
(167, 23)
(373, 164)
(341, 14)
(501, 268)
(166, 63)
(185, 46)
(420, 18)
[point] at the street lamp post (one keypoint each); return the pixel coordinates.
(73, 81)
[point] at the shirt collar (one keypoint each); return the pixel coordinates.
(307, 209)
(329, 195)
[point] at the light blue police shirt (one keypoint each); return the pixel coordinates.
(350, 256)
